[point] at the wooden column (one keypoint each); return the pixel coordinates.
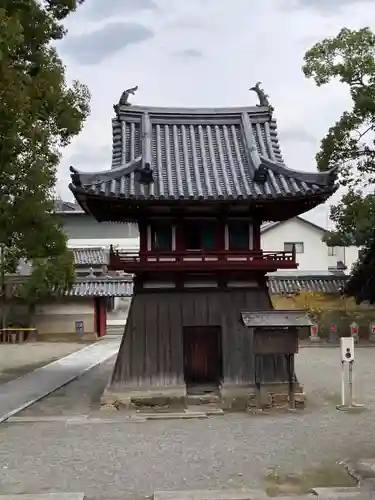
(180, 243)
(256, 235)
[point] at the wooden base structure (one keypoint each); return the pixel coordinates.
(194, 342)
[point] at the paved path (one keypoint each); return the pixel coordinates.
(26, 390)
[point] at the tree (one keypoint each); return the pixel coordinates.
(39, 115)
(354, 218)
(350, 57)
(50, 278)
(349, 144)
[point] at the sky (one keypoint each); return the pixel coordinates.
(206, 53)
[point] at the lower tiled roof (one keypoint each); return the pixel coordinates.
(102, 288)
(107, 287)
(313, 284)
(95, 256)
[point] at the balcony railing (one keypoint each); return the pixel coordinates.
(133, 262)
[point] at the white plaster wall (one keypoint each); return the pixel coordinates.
(129, 244)
(348, 255)
(315, 256)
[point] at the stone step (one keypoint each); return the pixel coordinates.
(185, 415)
(241, 494)
(203, 399)
(338, 493)
(44, 496)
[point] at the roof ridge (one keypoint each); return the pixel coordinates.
(180, 110)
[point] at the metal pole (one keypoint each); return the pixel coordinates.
(342, 383)
(292, 400)
(350, 384)
(2, 279)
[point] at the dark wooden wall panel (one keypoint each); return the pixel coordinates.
(151, 351)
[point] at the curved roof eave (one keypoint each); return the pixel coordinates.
(100, 176)
(319, 178)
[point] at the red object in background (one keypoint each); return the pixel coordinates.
(333, 328)
(354, 329)
(373, 330)
(314, 331)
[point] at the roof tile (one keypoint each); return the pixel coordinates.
(206, 154)
(102, 288)
(90, 256)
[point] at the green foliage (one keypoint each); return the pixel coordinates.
(50, 277)
(354, 218)
(39, 114)
(349, 144)
(349, 57)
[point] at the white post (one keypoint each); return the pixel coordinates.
(342, 383)
(350, 384)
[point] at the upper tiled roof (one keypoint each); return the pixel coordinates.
(199, 154)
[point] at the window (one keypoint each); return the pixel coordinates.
(161, 237)
(298, 245)
(238, 235)
(332, 251)
(200, 236)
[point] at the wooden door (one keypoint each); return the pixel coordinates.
(202, 355)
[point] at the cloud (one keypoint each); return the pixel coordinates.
(96, 46)
(99, 9)
(297, 134)
(329, 5)
(189, 53)
(192, 59)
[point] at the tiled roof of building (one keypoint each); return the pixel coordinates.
(314, 284)
(115, 287)
(62, 206)
(102, 287)
(199, 154)
(90, 256)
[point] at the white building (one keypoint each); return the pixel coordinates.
(311, 252)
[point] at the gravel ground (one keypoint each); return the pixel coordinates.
(131, 460)
(19, 359)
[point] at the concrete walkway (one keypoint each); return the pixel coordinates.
(22, 392)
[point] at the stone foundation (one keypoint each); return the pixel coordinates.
(237, 398)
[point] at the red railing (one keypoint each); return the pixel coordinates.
(191, 260)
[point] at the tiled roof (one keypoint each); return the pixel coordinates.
(102, 288)
(90, 256)
(198, 154)
(317, 284)
(278, 285)
(66, 206)
(123, 287)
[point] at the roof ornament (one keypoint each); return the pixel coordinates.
(262, 96)
(124, 100)
(261, 174)
(76, 178)
(145, 174)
